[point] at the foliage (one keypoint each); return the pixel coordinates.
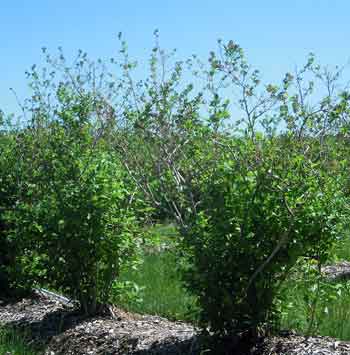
(13, 342)
(249, 200)
(160, 290)
(11, 276)
(160, 287)
(254, 175)
(313, 304)
(259, 213)
(75, 216)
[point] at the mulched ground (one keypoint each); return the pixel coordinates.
(300, 345)
(62, 330)
(337, 272)
(54, 322)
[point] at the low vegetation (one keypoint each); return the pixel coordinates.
(309, 305)
(253, 175)
(159, 289)
(13, 343)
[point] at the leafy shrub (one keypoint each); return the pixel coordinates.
(6, 202)
(263, 207)
(249, 198)
(76, 214)
(12, 277)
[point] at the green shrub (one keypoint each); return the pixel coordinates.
(249, 198)
(6, 201)
(12, 277)
(75, 216)
(261, 209)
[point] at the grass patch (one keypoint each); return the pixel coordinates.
(13, 343)
(324, 311)
(161, 291)
(319, 308)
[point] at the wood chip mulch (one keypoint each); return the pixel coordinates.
(339, 271)
(61, 330)
(294, 344)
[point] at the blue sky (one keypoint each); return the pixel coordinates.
(276, 35)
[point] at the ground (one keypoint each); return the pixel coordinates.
(52, 321)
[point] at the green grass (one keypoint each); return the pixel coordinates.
(337, 322)
(160, 289)
(332, 310)
(13, 343)
(162, 292)
(332, 307)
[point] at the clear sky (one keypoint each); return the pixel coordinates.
(276, 35)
